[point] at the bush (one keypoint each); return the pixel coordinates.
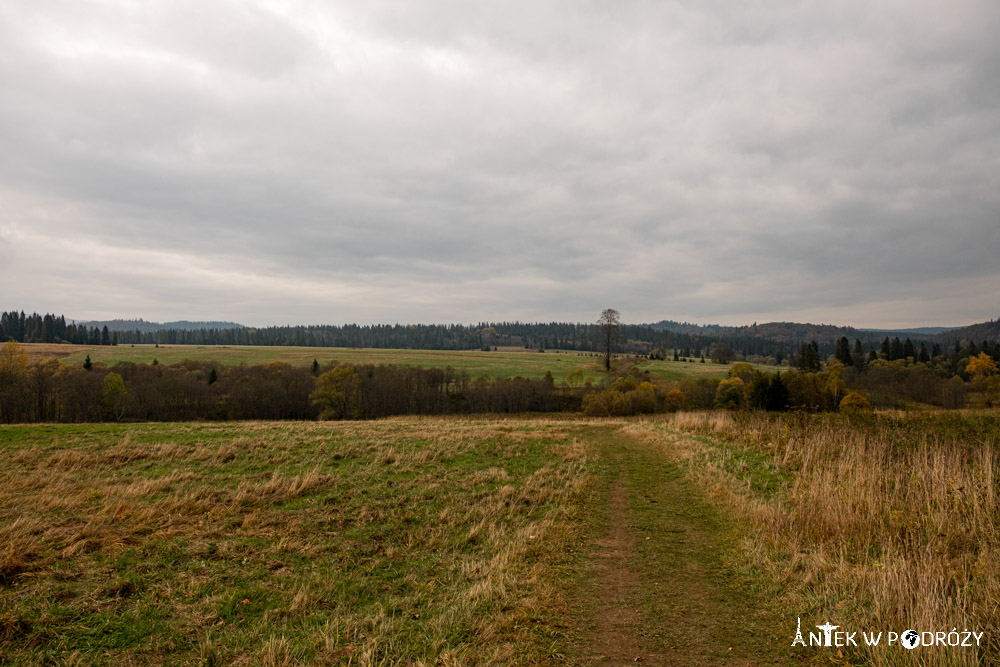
(675, 400)
(855, 402)
(729, 394)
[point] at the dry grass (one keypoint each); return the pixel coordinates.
(413, 541)
(881, 523)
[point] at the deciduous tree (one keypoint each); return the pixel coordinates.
(607, 326)
(338, 394)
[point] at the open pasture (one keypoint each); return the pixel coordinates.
(503, 363)
(497, 541)
(423, 541)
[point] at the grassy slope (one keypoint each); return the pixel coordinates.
(505, 363)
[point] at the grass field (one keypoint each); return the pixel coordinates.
(504, 363)
(415, 541)
(696, 538)
(403, 541)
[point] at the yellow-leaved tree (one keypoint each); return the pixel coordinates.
(981, 366)
(984, 378)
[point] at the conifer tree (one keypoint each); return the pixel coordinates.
(843, 352)
(858, 354)
(896, 349)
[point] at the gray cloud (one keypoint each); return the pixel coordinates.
(284, 161)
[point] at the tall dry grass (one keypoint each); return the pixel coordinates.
(878, 522)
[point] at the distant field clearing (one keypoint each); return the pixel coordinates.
(508, 362)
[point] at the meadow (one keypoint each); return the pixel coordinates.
(424, 541)
(504, 363)
(693, 538)
(427, 542)
(878, 522)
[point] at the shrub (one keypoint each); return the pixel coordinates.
(855, 402)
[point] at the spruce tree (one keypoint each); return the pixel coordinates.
(843, 352)
(777, 394)
(87, 363)
(808, 358)
(896, 349)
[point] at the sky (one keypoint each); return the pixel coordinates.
(298, 162)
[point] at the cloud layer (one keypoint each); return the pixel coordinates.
(294, 162)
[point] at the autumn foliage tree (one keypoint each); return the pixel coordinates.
(338, 394)
(983, 371)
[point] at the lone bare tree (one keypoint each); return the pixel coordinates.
(607, 328)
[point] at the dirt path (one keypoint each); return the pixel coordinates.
(661, 587)
(618, 620)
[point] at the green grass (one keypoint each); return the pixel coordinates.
(504, 363)
(400, 541)
(685, 563)
(405, 540)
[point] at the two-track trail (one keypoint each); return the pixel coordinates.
(659, 587)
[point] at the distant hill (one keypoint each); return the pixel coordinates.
(795, 333)
(152, 327)
(975, 333)
(919, 331)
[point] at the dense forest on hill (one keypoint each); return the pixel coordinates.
(795, 333)
(143, 326)
(766, 343)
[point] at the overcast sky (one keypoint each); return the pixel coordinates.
(288, 161)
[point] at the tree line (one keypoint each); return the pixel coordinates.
(941, 359)
(50, 328)
(52, 391)
(632, 339)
